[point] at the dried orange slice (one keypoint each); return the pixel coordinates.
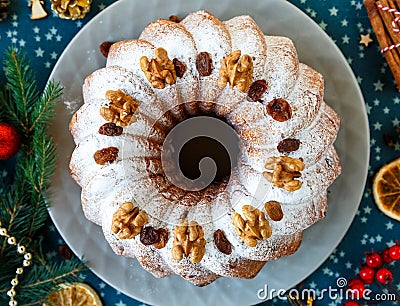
(386, 189)
(75, 294)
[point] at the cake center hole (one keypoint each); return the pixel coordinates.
(200, 151)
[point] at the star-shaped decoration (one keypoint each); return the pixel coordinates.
(365, 39)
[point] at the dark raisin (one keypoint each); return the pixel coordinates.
(204, 63)
(222, 243)
(148, 235)
(279, 110)
(110, 129)
(174, 18)
(163, 238)
(288, 145)
(106, 155)
(180, 68)
(65, 251)
(105, 48)
(257, 89)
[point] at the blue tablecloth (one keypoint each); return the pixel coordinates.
(344, 21)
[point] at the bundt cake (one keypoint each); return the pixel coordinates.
(229, 70)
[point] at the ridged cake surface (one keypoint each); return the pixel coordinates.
(125, 189)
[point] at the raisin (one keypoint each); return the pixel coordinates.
(288, 145)
(106, 155)
(204, 63)
(163, 238)
(105, 48)
(279, 110)
(174, 18)
(110, 129)
(257, 89)
(180, 68)
(222, 243)
(149, 235)
(65, 252)
(274, 210)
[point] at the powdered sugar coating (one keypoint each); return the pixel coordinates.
(137, 174)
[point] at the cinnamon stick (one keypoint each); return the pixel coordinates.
(381, 22)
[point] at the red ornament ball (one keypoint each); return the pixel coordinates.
(10, 140)
(384, 276)
(373, 260)
(394, 252)
(367, 274)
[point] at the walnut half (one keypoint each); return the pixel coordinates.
(237, 71)
(189, 241)
(282, 172)
(121, 109)
(160, 70)
(254, 228)
(128, 221)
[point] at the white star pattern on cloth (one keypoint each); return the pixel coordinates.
(389, 225)
(376, 102)
(386, 110)
(344, 23)
(378, 85)
(348, 265)
(333, 11)
(368, 108)
(102, 285)
(120, 303)
(323, 25)
(377, 150)
(395, 122)
(377, 126)
(359, 6)
(396, 100)
(345, 39)
(53, 30)
(39, 52)
(367, 210)
(36, 30)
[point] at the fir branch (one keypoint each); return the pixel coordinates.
(22, 85)
(39, 168)
(42, 112)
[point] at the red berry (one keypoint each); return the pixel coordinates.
(351, 303)
(354, 282)
(367, 274)
(386, 256)
(374, 260)
(10, 141)
(384, 276)
(394, 252)
(357, 290)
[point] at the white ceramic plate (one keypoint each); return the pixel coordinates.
(125, 19)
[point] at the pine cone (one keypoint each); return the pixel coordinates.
(4, 8)
(71, 9)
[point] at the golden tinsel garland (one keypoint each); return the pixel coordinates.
(71, 9)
